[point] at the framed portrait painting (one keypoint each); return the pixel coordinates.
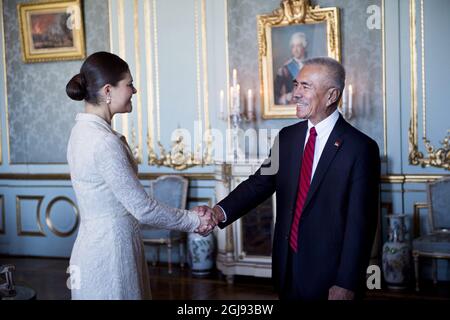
(51, 31)
(286, 37)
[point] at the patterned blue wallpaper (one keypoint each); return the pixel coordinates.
(361, 53)
(40, 113)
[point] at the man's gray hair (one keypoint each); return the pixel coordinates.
(300, 37)
(335, 70)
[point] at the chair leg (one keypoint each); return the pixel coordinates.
(434, 266)
(169, 257)
(182, 255)
(230, 279)
(416, 269)
(155, 257)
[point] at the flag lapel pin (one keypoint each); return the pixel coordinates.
(337, 144)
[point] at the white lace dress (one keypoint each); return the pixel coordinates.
(107, 260)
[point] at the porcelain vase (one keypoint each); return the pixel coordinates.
(396, 254)
(201, 253)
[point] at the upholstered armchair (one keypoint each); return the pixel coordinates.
(436, 244)
(172, 191)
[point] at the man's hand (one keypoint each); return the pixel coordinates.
(207, 220)
(338, 293)
(218, 214)
(201, 210)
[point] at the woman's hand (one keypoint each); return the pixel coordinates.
(208, 220)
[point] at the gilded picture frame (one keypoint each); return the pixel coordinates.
(434, 155)
(307, 32)
(51, 31)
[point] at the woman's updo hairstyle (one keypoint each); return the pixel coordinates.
(98, 69)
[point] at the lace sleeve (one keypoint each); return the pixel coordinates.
(112, 163)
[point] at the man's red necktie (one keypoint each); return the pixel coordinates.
(304, 183)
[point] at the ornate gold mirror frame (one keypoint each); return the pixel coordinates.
(290, 12)
(435, 157)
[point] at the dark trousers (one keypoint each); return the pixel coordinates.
(292, 289)
(288, 292)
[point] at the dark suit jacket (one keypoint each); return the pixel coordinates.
(339, 218)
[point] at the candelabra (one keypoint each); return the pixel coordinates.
(234, 116)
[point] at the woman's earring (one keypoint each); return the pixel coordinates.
(108, 100)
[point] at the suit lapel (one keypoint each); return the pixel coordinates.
(298, 141)
(332, 146)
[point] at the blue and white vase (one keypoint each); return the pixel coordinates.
(201, 253)
(396, 254)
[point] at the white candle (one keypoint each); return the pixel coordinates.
(234, 78)
(238, 98)
(231, 99)
(222, 97)
(350, 99)
(249, 103)
(344, 101)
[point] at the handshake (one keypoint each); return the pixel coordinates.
(209, 218)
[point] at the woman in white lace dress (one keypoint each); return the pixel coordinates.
(107, 260)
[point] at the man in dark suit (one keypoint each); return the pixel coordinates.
(326, 177)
